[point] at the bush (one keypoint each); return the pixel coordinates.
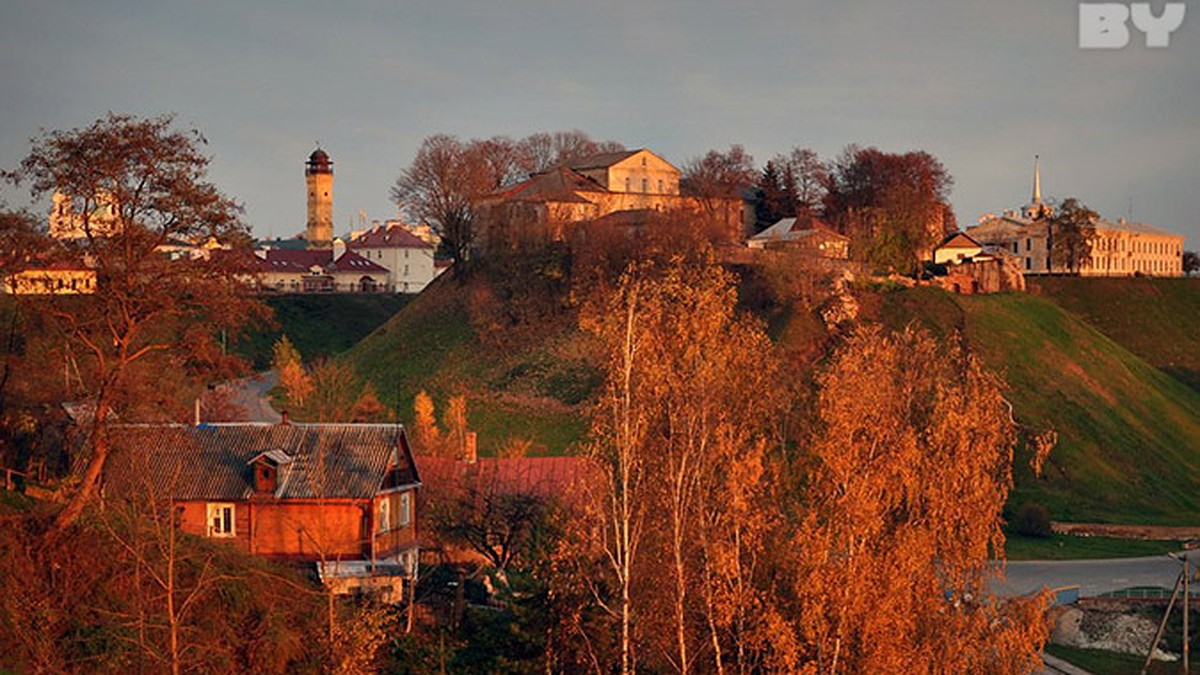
(1032, 520)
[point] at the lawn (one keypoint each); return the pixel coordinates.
(1066, 547)
(1128, 434)
(1100, 662)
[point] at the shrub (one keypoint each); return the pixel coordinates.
(1032, 520)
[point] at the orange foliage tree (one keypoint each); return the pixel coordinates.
(910, 467)
(681, 432)
(717, 543)
(132, 185)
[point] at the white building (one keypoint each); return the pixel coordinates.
(1118, 248)
(408, 258)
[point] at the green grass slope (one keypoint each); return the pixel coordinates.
(1157, 319)
(1129, 434)
(533, 389)
(320, 325)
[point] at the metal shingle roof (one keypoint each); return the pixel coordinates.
(209, 462)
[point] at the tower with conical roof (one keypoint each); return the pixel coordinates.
(318, 177)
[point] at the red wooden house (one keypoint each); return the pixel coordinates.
(341, 495)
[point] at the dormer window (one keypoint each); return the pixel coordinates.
(265, 468)
(266, 476)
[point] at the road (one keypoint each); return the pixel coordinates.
(250, 393)
(1092, 576)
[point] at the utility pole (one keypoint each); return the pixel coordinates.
(1184, 581)
(1187, 602)
(1162, 625)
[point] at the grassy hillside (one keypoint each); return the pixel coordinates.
(321, 325)
(533, 387)
(1129, 448)
(1157, 319)
(1129, 435)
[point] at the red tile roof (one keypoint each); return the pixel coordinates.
(282, 260)
(392, 236)
(559, 184)
(564, 478)
(603, 160)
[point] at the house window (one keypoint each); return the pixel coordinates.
(1027, 263)
(220, 520)
(385, 516)
(405, 508)
(1016, 247)
(627, 183)
(660, 187)
(1028, 243)
(645, 185)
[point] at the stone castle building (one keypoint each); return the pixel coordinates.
(1119, 248)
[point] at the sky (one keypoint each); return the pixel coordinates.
(982, 85)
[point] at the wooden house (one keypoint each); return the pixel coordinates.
(343, 496)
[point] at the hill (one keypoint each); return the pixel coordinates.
(1157, 319)
(533, 386)
(1129, 434)
(320, 325)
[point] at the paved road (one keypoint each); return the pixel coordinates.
(250, 394)
(1092, 576)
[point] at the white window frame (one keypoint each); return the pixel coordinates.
(405, 509)
(385, 516)
(221, 519)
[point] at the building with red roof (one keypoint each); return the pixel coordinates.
(407, 258)
(335, 270)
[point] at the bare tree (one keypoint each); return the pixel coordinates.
(448, 176)
(441, 185)
(149, 180)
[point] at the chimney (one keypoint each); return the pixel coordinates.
(196, 417)
(284, 416)
(471, 454)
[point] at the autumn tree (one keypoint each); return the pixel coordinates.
(426, 434)
(1191, 262)
(441, 185)
(893, 206)
(151, 180)
(288, 365)
(448, 175)
(718, 178)
(910, 468)
(683, 407)
(1070, 232)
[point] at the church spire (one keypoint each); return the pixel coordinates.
(1037, 183)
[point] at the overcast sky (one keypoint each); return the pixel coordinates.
(982, 85)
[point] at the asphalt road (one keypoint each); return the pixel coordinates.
(1092, 576)
(250, 393)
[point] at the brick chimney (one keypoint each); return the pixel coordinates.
(471, 455)
(284, 418)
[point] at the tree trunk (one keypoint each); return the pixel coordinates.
(91, 476)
